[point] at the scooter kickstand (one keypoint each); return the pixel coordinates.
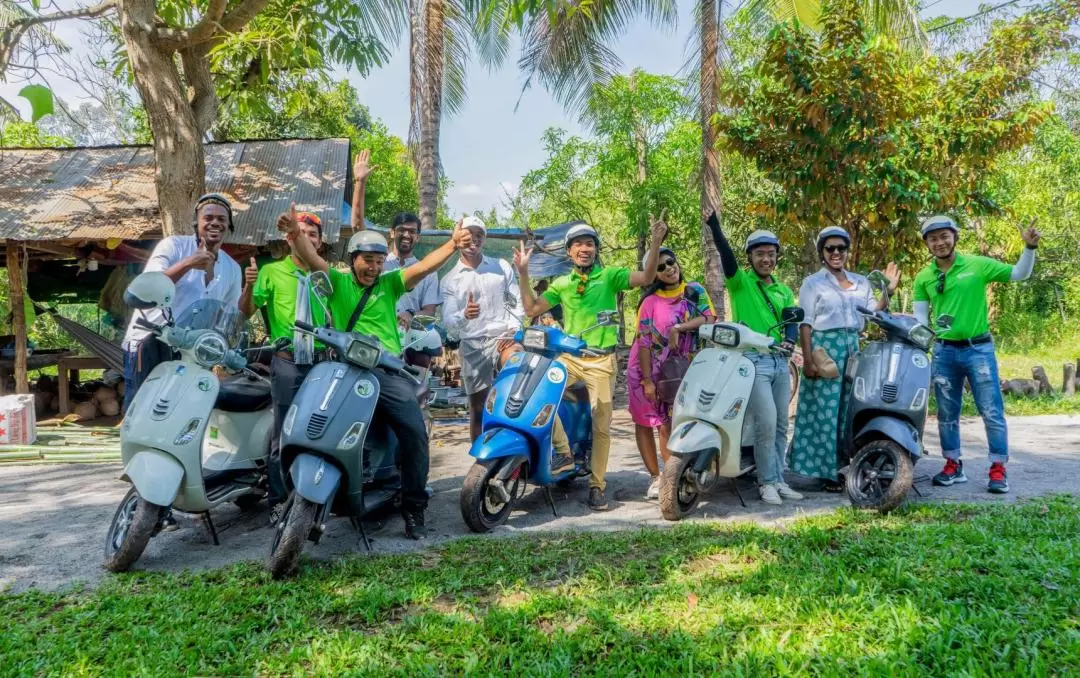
(551, 501)
(359, 525)
(209, 523)
(735, 488)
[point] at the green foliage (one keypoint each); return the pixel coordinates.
(861, 135)
(22, 134)
(392, 187)
(932, 589)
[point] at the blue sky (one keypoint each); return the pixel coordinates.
(488, 146)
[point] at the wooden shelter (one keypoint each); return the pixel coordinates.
(68, 215)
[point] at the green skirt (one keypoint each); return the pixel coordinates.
(813, 449)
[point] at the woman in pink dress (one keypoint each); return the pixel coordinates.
(669, 314)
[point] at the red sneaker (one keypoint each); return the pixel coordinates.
(999, 479)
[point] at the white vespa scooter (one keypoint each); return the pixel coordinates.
(189, 441)
(708, 415)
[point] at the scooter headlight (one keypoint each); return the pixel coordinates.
(363, 354)
(535, 339)
(922, 336)
(210, 350)
(725, 336)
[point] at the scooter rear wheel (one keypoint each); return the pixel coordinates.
(289, 536)
(481, 506)
(880, 477)
(130, 531)
(679, 493)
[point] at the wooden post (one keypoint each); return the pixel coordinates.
(1043, 381)
(18, 314)
(1068, 386)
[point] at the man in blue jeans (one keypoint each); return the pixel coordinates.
(955, 285)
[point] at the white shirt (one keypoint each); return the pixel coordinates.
(191, 287)
(424, 294)
(829, 306)
(492, 284)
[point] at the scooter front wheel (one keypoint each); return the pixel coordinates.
(290, 534)
(679, 492)
(880, 477)
(130, 531)
(482, 505)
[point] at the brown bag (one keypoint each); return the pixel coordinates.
(673, 368)
(826, 366)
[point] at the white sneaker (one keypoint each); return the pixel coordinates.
(770, 494)
(654, 489)
(787, 493)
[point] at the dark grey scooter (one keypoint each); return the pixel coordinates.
(885, 397)
(334, 466)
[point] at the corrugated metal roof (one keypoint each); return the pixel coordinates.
(108, 192)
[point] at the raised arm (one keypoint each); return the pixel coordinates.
(728, 262)
(414, 274)
(361, 169)
(532, 304)
(648, 274)
(301, 247)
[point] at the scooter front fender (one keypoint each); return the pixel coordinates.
(156, 475)
(314, 478)
(897, 430)
(691, 437)
(498, 443)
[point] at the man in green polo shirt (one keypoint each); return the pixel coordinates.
(955, 285)
(583, 293)
(282, 289)
(757, 300)
(364, 300)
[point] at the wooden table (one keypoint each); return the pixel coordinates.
(35, 361)
(67, 369)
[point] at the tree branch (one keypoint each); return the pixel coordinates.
(201, 93)
(212, 26)
(242, 15)
(14, 32)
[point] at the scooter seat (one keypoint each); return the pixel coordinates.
(243, 393)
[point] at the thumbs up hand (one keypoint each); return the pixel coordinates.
(472, 309)
(287, 223)
(251, 273)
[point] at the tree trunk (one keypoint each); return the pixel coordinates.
(641, 147)
(180, 175)
(434, 68)
(710, 160)
(1043, 381)
(18, 314)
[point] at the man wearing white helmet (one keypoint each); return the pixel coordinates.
(475, 295)
(757, 301)
(583, 293)
(955, 285)
(364, 301)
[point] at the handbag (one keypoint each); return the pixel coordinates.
(826, 366)
(673, 368)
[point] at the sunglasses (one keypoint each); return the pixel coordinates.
(833, 249)
(940, 282)
(311, 219)
(663, 265)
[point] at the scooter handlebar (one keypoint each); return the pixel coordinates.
(146, 324)
(306, 327)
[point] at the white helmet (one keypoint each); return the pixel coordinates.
(367, 241)
(938, 222)
(758, 238)
(832, 232)
(579, 230)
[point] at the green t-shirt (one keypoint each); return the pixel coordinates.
(748, 304)
(598, 293)
(964, 294)
(276, 289)
(379, 318)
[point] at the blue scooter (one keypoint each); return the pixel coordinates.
(519, 415)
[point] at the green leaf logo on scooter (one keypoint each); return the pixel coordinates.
(708, 414)
(189, 440)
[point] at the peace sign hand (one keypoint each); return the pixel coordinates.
(658, 227)
(521, 259)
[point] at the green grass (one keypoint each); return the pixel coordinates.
(932, 589)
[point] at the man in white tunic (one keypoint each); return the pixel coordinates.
(481, 306)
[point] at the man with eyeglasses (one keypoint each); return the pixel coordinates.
(583, 293)
(955, 285)
(757, 300)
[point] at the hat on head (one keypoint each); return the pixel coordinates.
(474, 222)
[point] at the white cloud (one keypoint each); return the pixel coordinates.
(509, 187)
(469, 189)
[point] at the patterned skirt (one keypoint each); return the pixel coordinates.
(813, 449)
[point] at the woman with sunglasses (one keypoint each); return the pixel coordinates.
(829, 298)
(669, 313)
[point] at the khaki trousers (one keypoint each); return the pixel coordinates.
(599, 377)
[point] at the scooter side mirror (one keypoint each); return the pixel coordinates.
(792, 315)
(878, 281)
(152, 289)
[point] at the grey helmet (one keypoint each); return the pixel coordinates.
(367, 241)
(578, 230)
(758, 238)
(832, 232)
(938, 222)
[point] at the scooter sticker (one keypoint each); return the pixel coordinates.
(204, 384)
(364, 388)
(555, 375)
(744, 371)
(514, 359)
(180, 369)
(919, 360)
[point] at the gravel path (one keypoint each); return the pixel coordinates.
(53, 518)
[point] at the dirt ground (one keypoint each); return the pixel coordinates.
(53, 518)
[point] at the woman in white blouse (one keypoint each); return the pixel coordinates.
(830, 298)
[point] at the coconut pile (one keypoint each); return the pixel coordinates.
(91, 399)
